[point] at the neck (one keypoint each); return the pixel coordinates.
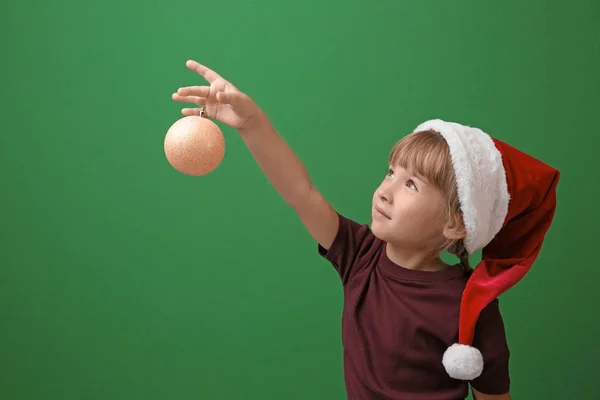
(418, 260)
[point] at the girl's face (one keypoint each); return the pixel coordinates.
(408, 211)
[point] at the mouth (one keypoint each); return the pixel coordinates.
(381, 212)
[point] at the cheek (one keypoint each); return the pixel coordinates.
(418, 216)
(431, 220)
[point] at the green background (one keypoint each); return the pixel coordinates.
(122, 279)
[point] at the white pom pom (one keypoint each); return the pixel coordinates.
(463, 362)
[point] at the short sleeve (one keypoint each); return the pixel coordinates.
(351, 241)
(490, 339)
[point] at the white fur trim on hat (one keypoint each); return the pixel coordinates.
(463, 362)
(480, 177)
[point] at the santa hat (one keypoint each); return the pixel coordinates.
(508, 201)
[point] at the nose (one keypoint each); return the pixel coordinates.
(384, 194)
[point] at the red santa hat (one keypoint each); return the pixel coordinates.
(508, 201)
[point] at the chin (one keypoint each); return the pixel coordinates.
(378, 231)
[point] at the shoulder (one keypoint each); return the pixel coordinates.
(490, 318)
(353, 245)
(351, 237)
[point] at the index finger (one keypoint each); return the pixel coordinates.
(203, 71)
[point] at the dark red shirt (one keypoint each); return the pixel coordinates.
(397, 323)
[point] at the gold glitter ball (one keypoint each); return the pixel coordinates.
(194, 145)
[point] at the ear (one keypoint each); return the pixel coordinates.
(455, 230)
(454, 233)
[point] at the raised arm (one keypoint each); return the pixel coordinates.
(225, 103)
(290, 178)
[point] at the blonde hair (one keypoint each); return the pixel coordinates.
(426, 153)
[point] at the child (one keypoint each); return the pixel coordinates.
(414, 327)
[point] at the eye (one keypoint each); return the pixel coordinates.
(390, 172)
(411, 185)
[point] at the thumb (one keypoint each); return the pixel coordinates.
(234, 99)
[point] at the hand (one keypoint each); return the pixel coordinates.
(221, 100)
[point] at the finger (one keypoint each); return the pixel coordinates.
(189, 99)
(234, 99)
(203, 71)
(188, 112)
(200, 91)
